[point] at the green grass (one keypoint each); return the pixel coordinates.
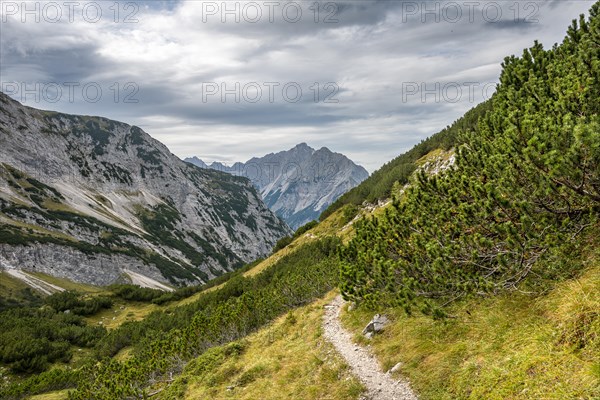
(58, 395)
(14, 292)
(513, 346)
(10, 285)
(289, 359)
(434, 156)
(121, 312)
(34, 229)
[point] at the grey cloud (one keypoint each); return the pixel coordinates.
(521, 24)
(286, 18)
(370, 53)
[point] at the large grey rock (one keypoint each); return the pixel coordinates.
(395, 368)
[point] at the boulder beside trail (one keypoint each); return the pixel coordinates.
(376, 325)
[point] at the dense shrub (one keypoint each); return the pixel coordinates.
(73, 302)
(54, 379)
(135, 293)
(31, 338)
(281, 243)
(304, 228)
(525, 185)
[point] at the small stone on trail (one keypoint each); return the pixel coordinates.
(395, 368)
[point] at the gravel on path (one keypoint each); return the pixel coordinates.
(380, 385)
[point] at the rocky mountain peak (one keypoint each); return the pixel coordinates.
(299, 183)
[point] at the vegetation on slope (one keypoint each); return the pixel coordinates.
(54, 335)
(111, 239)
(378, 185)
(32, 338)
(165, 341)
(15, 293)
(525, 188)
(511, 346)
(286, 360)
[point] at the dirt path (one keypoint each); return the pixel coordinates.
(380, 386)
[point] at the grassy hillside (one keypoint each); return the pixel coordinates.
(512, 346)
(135, 345)
(14, 292)
(517, 346)
(138, 317)
(286, 360)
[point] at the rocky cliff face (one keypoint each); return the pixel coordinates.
(87, 198)
(297, 184)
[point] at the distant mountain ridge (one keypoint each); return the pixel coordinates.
(94, 200)
(297, 184)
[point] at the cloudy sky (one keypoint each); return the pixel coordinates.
(226, 81)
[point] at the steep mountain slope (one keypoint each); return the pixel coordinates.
(90, 199)
(297, 184)
(380, 184)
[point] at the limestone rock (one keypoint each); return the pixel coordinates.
(297, 184)
(376, 325)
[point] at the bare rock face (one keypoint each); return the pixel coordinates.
(297, 184)
(87, 198)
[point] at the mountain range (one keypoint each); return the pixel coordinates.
(98, 201)
(297, 184)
